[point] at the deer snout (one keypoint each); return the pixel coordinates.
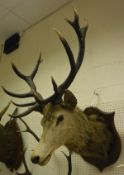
(35, 159)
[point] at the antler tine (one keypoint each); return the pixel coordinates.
(69, 159)
(55, 87)
(4, 110)
(15, 111)
(24, 104)
(33, 72)
(27, 171)
(36, 67)
(67, 48)
(17, 71)
(29, 81)
(29, 130)
(16, 95)
(74, 65)
(81, 33)
(36, 107)
(57, 96)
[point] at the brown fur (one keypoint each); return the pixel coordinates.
(90, 133)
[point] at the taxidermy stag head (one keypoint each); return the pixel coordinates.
(90, 133)
(11, 145)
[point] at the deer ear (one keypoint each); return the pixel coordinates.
(69, 100)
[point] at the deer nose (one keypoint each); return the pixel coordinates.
(35, 159)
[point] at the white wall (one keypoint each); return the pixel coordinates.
(102, 69)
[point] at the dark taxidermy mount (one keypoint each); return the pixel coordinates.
(11, 144)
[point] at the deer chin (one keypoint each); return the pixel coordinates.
(45, 160)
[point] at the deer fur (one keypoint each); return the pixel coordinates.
(88, 136)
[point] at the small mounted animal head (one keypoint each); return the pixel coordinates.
(11, 145)
(90, 133)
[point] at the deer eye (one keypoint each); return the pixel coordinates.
(59, 119)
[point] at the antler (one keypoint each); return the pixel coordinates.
(29, 80)
(29, 130)
(4, 110)
(58, 90)
(69, 159)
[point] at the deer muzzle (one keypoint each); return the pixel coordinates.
(41, 161)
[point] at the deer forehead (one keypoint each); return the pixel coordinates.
(54, 110)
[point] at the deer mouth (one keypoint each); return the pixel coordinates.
(46, 160)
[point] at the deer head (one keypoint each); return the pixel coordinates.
(11, 145)
(90, 133)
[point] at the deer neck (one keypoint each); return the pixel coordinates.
(89, 138)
